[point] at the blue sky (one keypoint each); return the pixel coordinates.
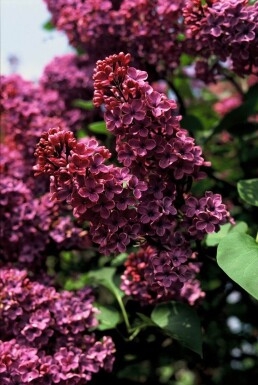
(22, 35)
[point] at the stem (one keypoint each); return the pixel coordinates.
(121, 304)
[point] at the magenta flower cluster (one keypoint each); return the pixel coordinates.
(150, 29)
(147, 199)
(137, 280)
(44, 336)
(226, 29)
(156, 32)
(32, 227)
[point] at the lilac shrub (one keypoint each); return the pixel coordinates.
(147, 199)
(158, 32)
(44, 336)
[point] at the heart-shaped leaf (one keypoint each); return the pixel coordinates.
(214, 239)
(238, 257)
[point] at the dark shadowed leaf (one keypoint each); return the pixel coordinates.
(191, 123)
(180, 322)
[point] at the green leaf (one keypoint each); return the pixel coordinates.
(84, 104)
(248, 191)
(180, 322)
(81, 134)
(146, 321)
(99, 128)
(214, 238)
(119, 260)
(105, 277)
(78, 283)
(108, 317)
(237, 256)
(48, 25)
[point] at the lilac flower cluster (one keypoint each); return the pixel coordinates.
(146, 200)
(32, 226)
(25, 110)
(25, 106)
(43, 334)
(136, 281)
(94, 189)
(226, 29)
(151, 30)
(159, 31)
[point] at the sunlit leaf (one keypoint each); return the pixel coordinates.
(99, 128)
(84, 104)
(214, 238)
(105, 277)
(108, 317)
(238, 257)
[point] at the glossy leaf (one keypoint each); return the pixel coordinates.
(248, 191)
(180, 322)
(105, 277)
(238, 257)
(214, 238)
(108, 317)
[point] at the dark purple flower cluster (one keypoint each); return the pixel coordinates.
(137, 284)
(150, 29)
(25, 112)
(32, 226)
(99, 193)
(44, 334)
(148, 199)
(157, 32)
(226, 29)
